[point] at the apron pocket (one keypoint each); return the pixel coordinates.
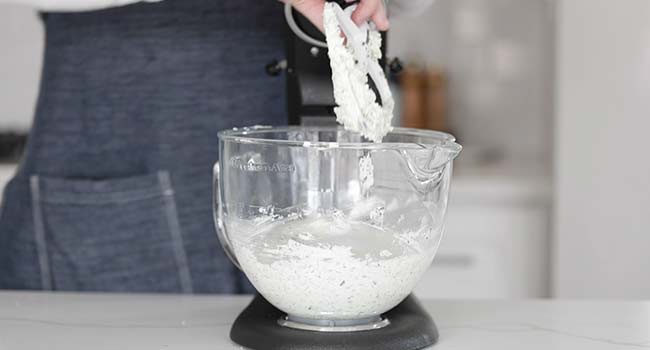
(116, 235)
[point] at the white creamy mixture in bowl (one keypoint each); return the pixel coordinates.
(329, 267)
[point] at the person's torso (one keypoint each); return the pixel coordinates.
(140, 86)
(114, 192)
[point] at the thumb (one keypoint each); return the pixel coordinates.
(371, 9)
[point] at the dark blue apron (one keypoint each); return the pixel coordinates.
(114, 192)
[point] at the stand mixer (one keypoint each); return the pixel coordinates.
(333, 230)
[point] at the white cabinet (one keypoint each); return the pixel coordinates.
(496, 242)
(6, 173)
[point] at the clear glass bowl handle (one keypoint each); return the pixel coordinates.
(217, 214)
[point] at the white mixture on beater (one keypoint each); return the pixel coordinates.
(357, 108)
(329, 267)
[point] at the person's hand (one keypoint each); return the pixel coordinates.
(366, 10)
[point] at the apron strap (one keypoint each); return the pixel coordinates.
(175, 229)
(39, 234)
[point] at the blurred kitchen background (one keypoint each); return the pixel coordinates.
(551, 99)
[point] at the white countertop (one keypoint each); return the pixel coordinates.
(120, 321)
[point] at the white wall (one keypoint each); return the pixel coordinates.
(602, 230)
(21, 45)
(422, 38)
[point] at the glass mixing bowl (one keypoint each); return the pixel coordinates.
(330, 228)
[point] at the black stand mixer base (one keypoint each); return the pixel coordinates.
(410, 328)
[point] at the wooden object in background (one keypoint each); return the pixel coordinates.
(412, 84)
(435, 100)
(424, 98)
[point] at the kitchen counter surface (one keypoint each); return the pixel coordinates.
(35, 321)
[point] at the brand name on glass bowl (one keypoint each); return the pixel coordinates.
(250, 165)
